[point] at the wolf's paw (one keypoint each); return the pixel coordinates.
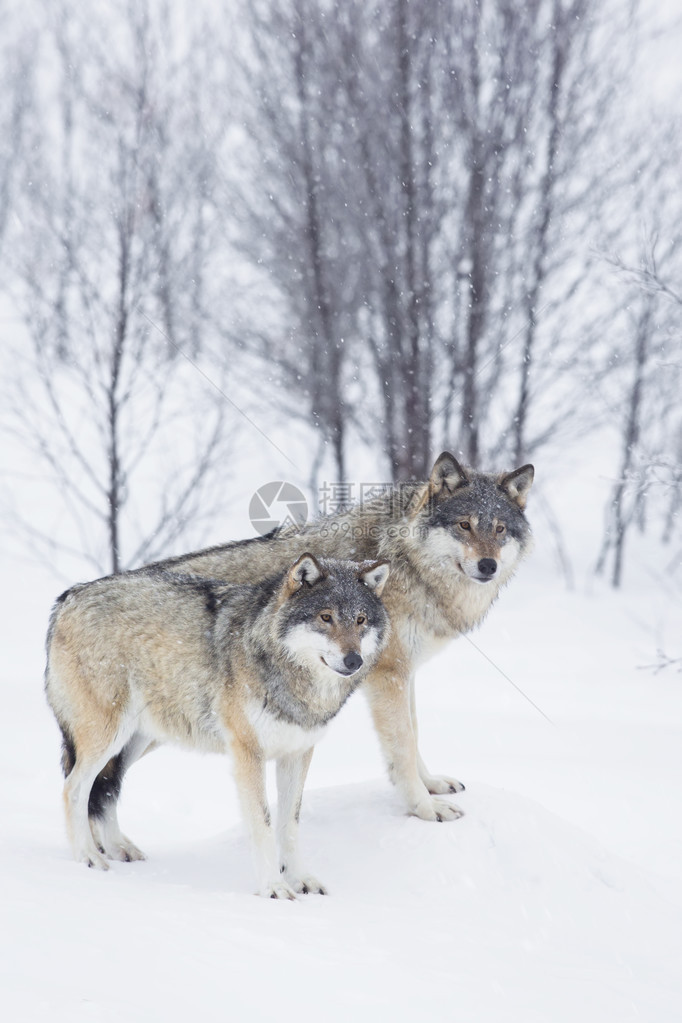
(92, 858)
(277, 890)
(440, 785)
(308, 885)
(113, 844)
(125, 851)
(437, 810)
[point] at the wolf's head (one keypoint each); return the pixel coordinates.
(474, 522)
(331, 615)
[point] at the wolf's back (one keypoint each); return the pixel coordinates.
(258, 558)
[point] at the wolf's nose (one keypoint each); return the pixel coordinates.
(352, 661)
(487, 566)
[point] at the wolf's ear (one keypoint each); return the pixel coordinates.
(446, 476)
(306, 570)
(375, 576)
(518, 483)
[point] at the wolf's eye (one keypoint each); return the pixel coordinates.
(464, 525)
(360, 620)
(501, 528)
(325, 616)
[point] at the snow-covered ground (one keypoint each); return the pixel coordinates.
(557, 897)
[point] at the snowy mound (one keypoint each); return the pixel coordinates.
(508, 914)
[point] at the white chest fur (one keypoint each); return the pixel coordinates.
(429, 646)
(421, 644)
(279, 738)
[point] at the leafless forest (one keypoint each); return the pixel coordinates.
(404, 225)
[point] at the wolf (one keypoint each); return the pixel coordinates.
(257, 669)
(453, 542)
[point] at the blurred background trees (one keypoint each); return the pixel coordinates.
(404, 226)
(111, 251)
(425, 171)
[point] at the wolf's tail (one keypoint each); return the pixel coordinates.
(106, 787)
(68, 751)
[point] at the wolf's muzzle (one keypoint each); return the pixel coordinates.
(352, 661)
(487, 567)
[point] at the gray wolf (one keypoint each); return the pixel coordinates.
(257, 669)
(453, 542)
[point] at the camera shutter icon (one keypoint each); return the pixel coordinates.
(277, 505)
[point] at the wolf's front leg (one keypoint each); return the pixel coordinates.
(388, 692)
(249, 772)
(437, 784)
(291, 775)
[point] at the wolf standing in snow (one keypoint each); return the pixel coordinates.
(452, 543)
(257, 669)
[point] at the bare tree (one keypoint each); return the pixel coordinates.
(425, 175)
(289, 192)
(16, 98)
(109, 264)
(648, 485)
(394, 93)
(532, 98)
(621, 516)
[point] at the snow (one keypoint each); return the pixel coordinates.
(557, 896)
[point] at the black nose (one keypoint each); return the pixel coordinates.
(487, 566)
(352, 661)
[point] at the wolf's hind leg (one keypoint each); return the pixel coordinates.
(103, 803)
(77, 789)
(291, 775)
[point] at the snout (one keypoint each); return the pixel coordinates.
(352, 661)
(487, 567)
